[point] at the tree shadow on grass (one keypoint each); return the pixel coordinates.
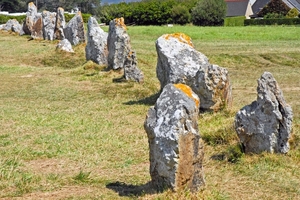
(151, 100)
(129, 190)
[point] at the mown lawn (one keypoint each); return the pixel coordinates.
(71, 133)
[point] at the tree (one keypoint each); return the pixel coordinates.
(274, 6)
(9, 5)
(293, 13)
(209, 12)
(180, 15)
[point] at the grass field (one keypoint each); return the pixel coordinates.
(70, 133)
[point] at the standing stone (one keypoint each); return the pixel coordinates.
(96, 48)
(37, 28)
(131, 71)
(31, 18)
(65, 45)
(266, 124)
(74, 30)
(118, 42)
(60, 24)
(176, 148)
(179, 62)
(48, 24)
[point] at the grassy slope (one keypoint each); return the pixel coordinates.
(68, 132)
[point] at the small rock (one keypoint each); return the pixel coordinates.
(65, 45)
(131, 71)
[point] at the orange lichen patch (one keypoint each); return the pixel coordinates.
(181, 37)
(120, 22)
(188, 91)
(31, 4)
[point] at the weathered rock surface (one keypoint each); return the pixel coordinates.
(13, 25)
(266, 124)
(131, 71)
(179, 62)
(37, 28)
(59, 24)
(48, 25)
(31, 18)
(118, 43)
(96, 48)
(65, 45)
(176, 148)
(74, 30)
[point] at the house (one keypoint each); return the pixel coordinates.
(239, 8)
(260, 4)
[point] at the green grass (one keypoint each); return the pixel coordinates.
(69, 132)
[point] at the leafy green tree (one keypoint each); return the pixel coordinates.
(180, 14)
(293, 13)
(209, 12)
(274, 6)
(9, 5)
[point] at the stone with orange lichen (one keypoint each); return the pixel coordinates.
(179, 62)
(118, 43)
(176, 148)
(181, 37)
(31, 18)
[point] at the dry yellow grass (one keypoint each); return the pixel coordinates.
(72, 133)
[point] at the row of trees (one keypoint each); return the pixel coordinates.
(144, 12)
(86, 6)
(157, 12)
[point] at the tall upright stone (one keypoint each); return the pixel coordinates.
(33, 24)
(118, 43)
(59, 24)
(37, 28)
(176, 148)
(48, 25)
(30, 18)
(96, 48)
(179, 62)
(74, 30)
(265, 124)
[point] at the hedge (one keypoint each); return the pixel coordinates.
(85, 17)
(282, 21)
(21, 18)
(234, 21)
(5, 18)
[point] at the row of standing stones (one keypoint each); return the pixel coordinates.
(189, 84)
(112, 50)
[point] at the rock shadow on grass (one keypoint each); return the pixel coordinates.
(124, 189)
(151, 100)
